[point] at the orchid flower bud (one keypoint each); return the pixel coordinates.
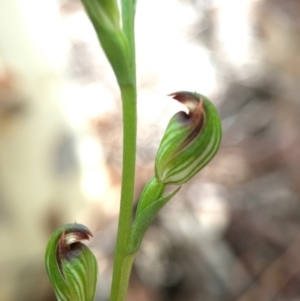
(106, 18)
(191, 140)
(71, 266)
(106, 12)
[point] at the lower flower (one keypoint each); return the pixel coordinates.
(71, 266)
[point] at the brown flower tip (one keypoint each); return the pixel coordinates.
(193, 102)
(69, 244)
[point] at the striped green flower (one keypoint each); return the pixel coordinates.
(71, 266)
(191, 140)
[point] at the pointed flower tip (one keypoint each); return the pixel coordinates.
(77, 235)
(193, 102)
(71, 266)
(190, 141)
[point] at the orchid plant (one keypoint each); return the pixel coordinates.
(190, 141)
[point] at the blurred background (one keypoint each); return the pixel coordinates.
(231, 233)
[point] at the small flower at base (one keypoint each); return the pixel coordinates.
(190, 141)
(71, 266)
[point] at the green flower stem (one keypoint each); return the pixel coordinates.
(122, 262)
(115, 30)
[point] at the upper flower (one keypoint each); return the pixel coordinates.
(190, 141)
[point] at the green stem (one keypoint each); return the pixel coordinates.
(127, 193)
(123, 262)
(125, 275)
